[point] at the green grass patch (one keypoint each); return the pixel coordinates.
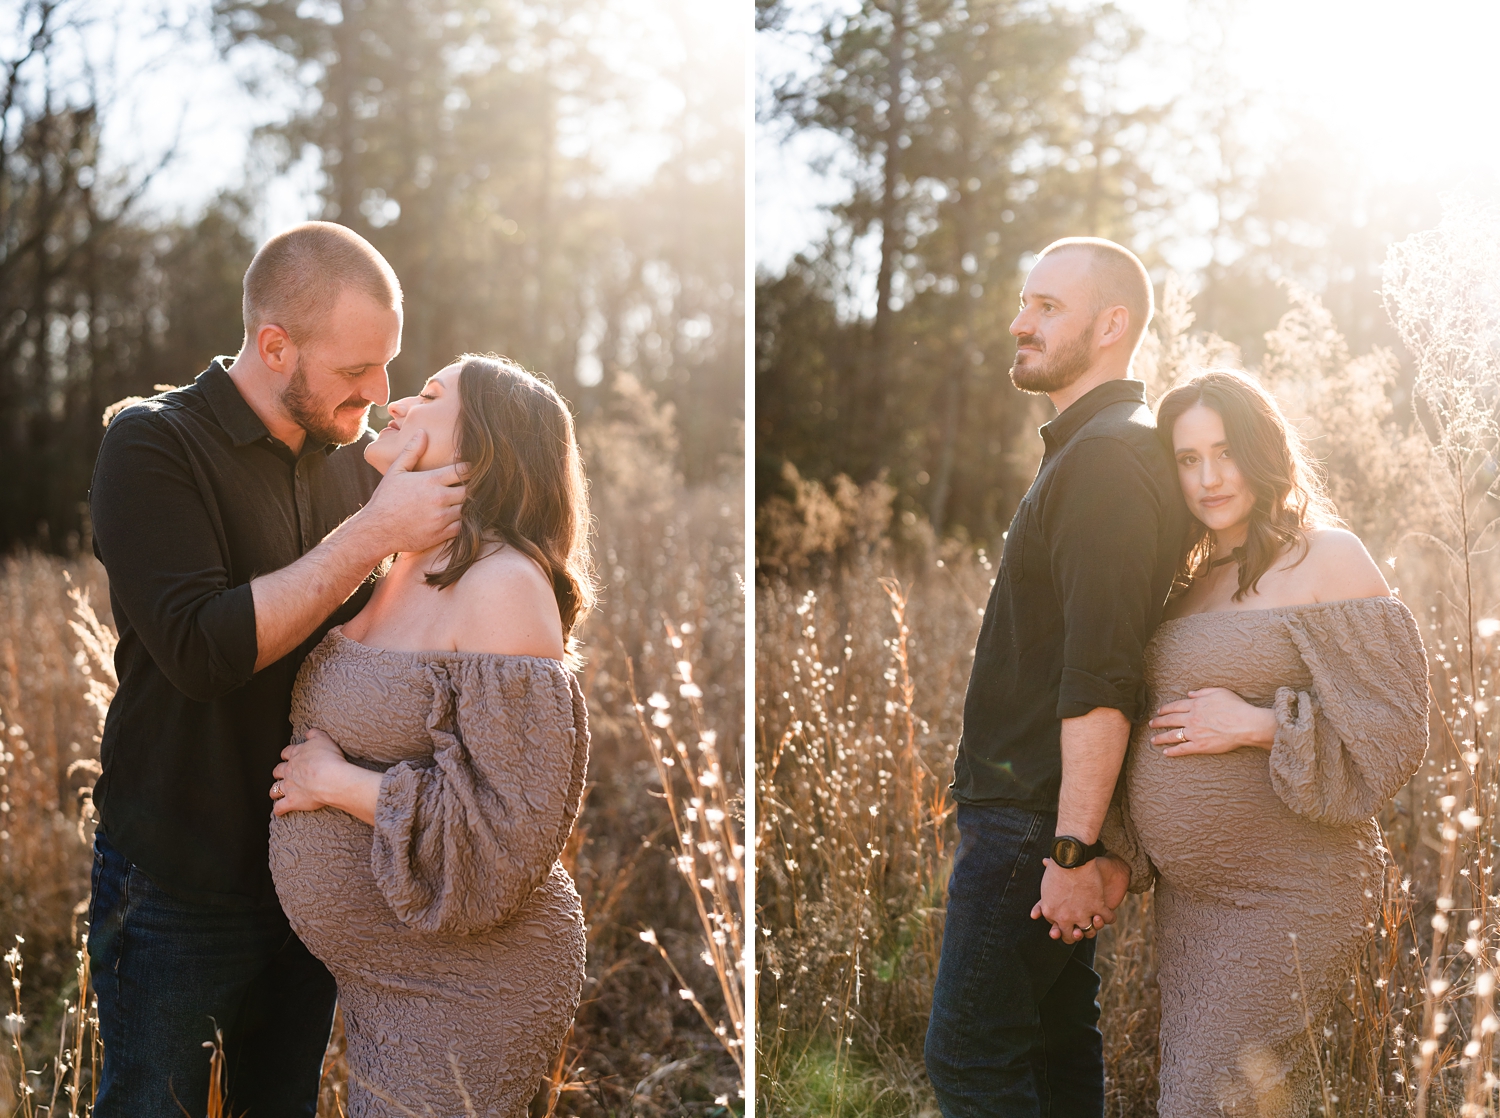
(812, 1080)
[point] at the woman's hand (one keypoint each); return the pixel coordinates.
(1212, 720)
(1114, 877)
(308, 774)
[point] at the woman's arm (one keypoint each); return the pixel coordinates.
(1216, 720)
(315, 774)
(1212, 720)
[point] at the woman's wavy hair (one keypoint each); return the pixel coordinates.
(1289, 494)
(525, 487)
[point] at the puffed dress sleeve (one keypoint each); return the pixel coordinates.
(462, 840)
(1346, 746)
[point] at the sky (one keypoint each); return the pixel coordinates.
(172, 89)
(1414, 90)
(169, 90)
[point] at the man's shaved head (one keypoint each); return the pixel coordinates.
(297, 277)
(1120, 280)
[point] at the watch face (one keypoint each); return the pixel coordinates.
(1067, 852)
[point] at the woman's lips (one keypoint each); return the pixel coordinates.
(1214, 502)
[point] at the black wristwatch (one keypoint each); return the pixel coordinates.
(1070, 853)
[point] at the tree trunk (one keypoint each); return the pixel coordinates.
(881, 339)
(955, 386)
(347, 185)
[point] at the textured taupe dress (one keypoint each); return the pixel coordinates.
(455, 935)
(1247, 848)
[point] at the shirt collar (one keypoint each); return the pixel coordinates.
(236, 416)
(1072, 418)
(223, 396)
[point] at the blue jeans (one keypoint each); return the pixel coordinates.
(166, 969)
(1014, 1031)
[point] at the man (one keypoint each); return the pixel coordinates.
(1056, 683)
(237, 520)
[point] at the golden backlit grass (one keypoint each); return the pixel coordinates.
(860, 680)
(670, 624)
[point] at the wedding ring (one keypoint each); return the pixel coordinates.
(276, 792)
(1182, 735)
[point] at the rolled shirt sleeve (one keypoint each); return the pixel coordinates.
(167, 561)
(1102, 542)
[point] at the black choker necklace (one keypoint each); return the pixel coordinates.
(1235, 556)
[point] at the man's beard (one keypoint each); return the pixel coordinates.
(1054, 371)
(297, 401)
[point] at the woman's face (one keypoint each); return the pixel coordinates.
(434, 410)
(1215, 490)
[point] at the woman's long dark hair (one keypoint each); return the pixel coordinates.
(525, 486)
(1289, 495)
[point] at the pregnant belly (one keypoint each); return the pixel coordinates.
(320, 861)
(1214, 825)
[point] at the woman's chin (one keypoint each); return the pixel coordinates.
(1222, 519)
(376, 455)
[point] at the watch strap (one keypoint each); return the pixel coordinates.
(1065, 845)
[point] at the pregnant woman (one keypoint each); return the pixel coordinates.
(438, 759)
(1291, 698)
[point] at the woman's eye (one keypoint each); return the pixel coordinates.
(420, 396)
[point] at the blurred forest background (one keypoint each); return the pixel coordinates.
(951, 139)
(562, 181)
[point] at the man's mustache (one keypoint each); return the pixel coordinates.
(1029, 339)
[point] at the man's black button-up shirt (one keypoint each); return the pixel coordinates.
(1087, 565)
(191, 499)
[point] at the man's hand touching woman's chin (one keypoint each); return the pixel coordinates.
(1079, 902)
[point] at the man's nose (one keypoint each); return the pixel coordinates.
(376, 387)
(1016, 328)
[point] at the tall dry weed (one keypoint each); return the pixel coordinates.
(851, 884)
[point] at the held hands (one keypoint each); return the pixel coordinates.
(413, 510)
(1079, 902)
(306, 774)
(1212, 720)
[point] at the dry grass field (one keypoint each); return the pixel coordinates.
(864, 638)
(659, 1032)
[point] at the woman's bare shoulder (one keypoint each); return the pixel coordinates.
(504, 604)
(1340, 566)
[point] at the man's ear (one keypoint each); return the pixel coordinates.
(275, 348)
(1113, 325)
